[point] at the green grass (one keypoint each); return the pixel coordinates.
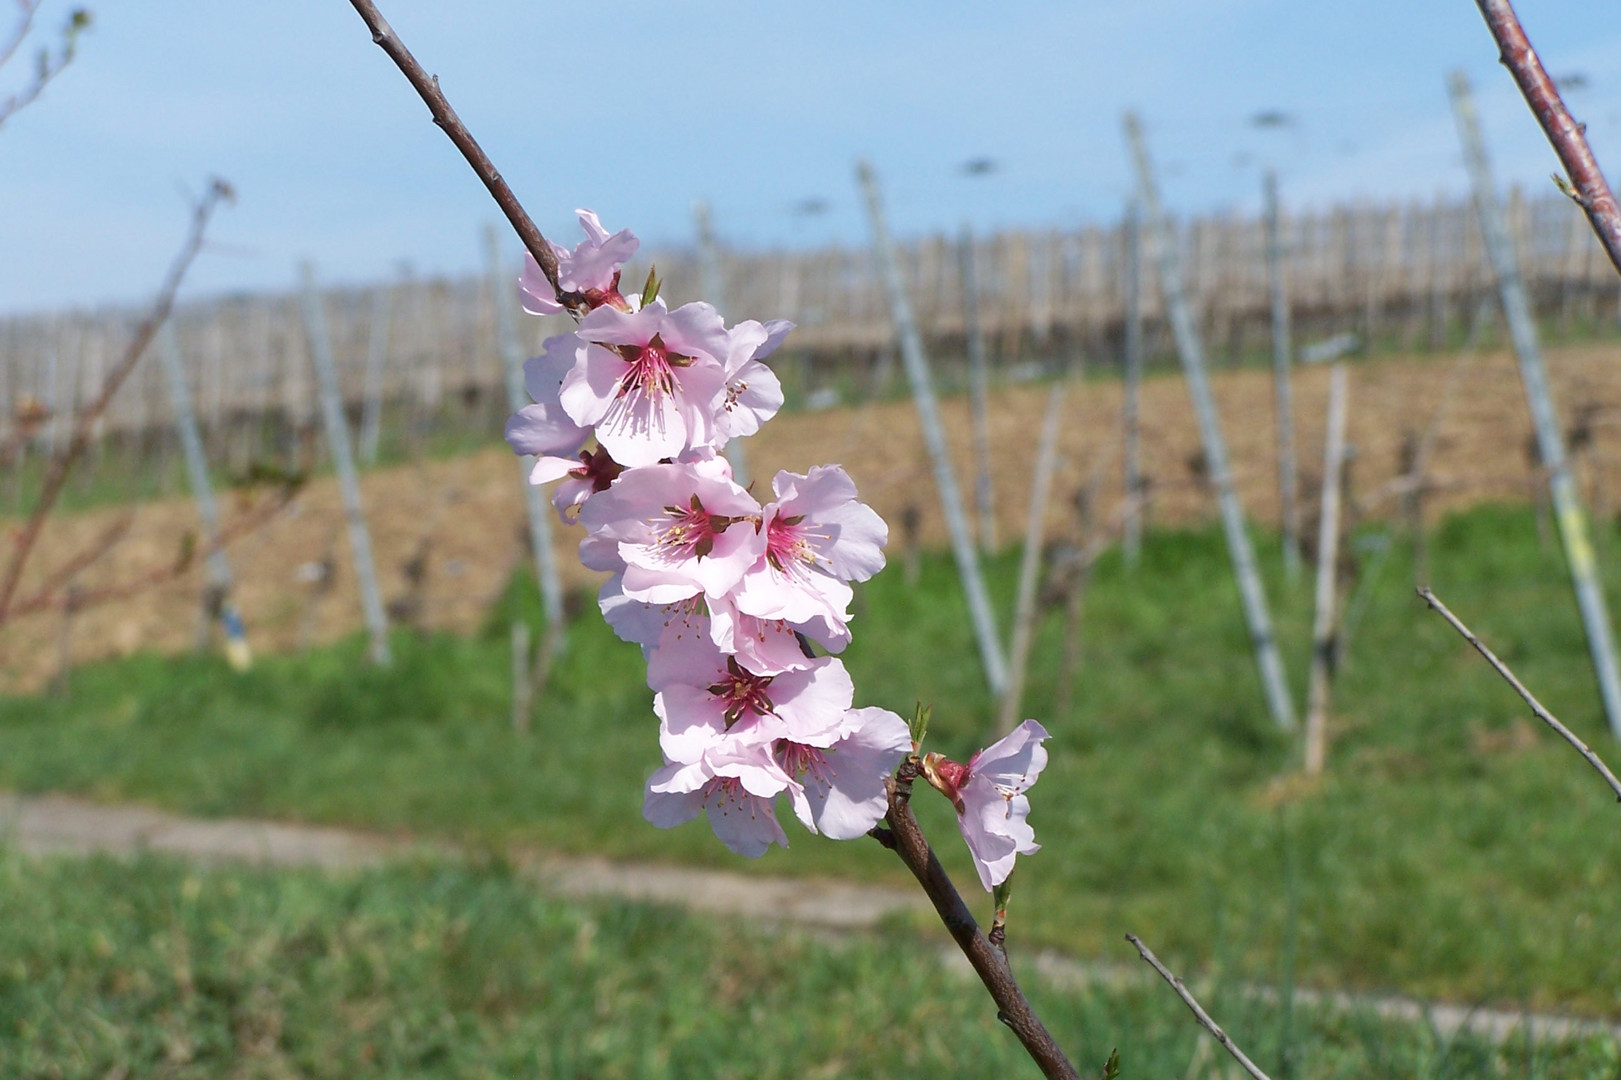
(152, 969)
(1452, 851)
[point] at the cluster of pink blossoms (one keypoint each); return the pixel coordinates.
(723, 593)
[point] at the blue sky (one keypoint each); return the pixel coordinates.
(639, 108)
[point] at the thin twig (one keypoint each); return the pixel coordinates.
(48, 69)
(1198, 1011)
(427, 87)
(1519, 688)
(85, 420)
(25, 20)
(906, 839)
(91, 553)
(46, 597)
(1587, 184)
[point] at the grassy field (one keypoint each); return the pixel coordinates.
(1453, 850)
(154, 969)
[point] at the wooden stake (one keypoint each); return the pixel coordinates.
(1328, 551)
(1024, 617)
(934, 436)
(1191, 351)
(1550, 441)
(337, 435)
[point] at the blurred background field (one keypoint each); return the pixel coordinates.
(1452, 851)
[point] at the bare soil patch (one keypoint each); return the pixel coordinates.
(461, 521)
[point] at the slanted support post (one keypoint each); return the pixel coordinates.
(916, 363)
(1522, 330)
(343, 458)
(217, 594)
(1191, 351)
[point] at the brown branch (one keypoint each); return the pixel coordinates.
(46, 597)
(84, 421)
(905, 837)
(1588, 186)
(1198, 1011)
(427, 87)
(1519, 688)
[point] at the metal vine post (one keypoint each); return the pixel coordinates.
(1191, 351)
(1131, 403)
(934, 436)
(1024, 608)
(1573, 530)
(978, 390)
(539, 512)
(343, 459)
(217, 596)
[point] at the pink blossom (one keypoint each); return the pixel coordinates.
(595, 471)
(708, 703)
(989, 796)
(841, 791)
(651, 382)
(753, 393)
(736, 792)
(681, 530)
(765, 646)
(544, 429)
(589, 273)
(817, 538)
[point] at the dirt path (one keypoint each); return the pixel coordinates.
(57, 825)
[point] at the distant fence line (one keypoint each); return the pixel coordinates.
(1404, 274)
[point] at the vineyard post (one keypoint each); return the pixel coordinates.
(978, 391)
(1133, 302)
(371, 417)
(535, 503)
(1567, 505)
(337, 434)
(1191, 351)
(1282, 361)
(216, 596)
(1024, 617)
(934, 437)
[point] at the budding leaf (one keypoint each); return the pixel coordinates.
(919, 724)
(650, 291)
(1111, 1068)
(1000, 894)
